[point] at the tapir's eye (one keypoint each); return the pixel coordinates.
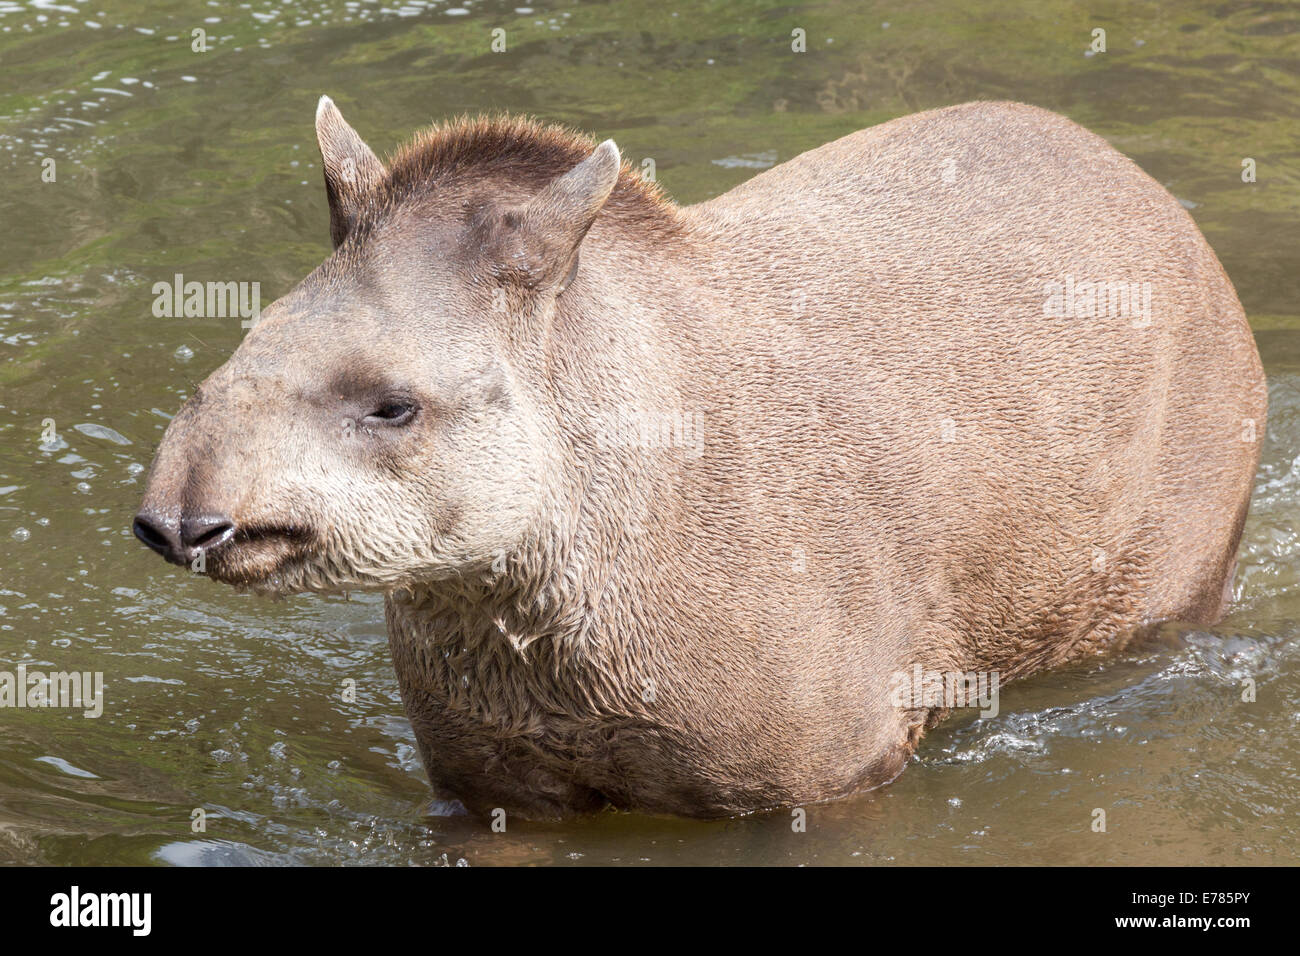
(392, 413)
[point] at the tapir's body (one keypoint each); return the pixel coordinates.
(967, 390)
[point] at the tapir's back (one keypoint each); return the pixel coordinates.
(978, 361)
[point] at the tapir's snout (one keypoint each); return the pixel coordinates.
(181, 539)
(223, 497)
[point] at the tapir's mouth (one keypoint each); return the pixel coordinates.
(258, 556)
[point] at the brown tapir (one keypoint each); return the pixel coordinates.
(664, 500)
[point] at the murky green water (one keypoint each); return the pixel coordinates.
(169, 161)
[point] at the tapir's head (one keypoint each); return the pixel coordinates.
(385, 424)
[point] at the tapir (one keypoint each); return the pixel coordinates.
(670, 505)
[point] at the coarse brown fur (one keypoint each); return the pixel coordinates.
(686, 489)
(522, 151)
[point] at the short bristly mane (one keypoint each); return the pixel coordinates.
(519, 150)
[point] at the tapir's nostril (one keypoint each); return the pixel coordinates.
(157, 533)
(179, 542)
(206, 531)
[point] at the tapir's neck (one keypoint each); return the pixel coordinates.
(541, 632)
(538, 593)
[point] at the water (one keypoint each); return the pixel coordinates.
(169, 160)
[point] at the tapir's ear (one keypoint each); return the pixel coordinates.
(553, 223)
(351, 169)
